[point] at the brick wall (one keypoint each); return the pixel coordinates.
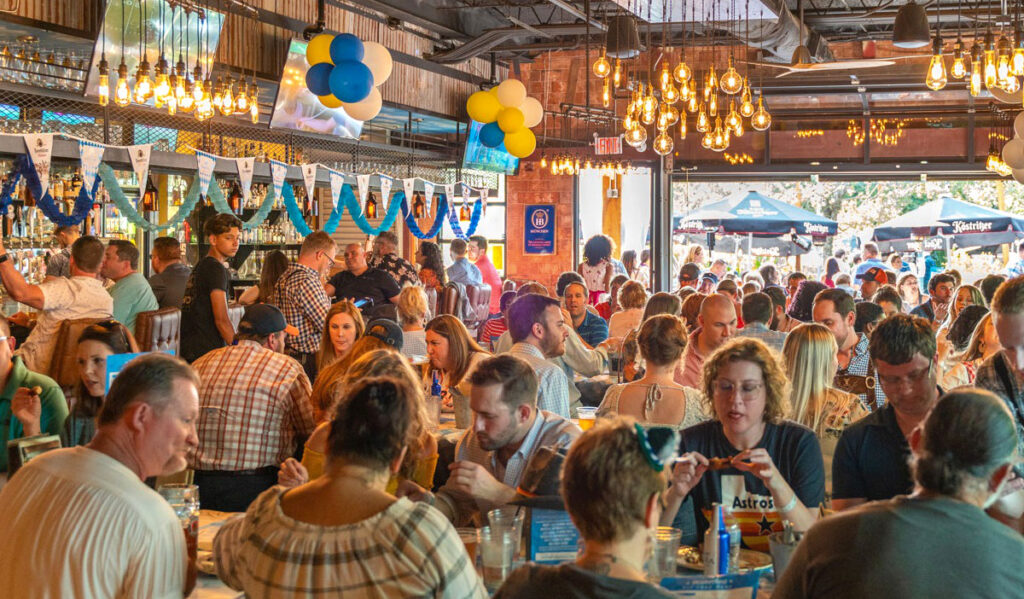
(534, 185)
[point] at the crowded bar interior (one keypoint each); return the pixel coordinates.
(584, 299)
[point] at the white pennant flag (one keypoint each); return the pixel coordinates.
(90, 153)
(139, 156)
(337, 182)
(428, 194)
(409, 185)
(363, 183)
(245, 168)
(205, 163)
(40, 148)
(309, 178)
(386, 183)
(278, 171)
(449, 196)
(484, 193)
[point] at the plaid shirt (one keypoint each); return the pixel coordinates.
(253, 403)
(859, 366)
(405, 550)
(398, 267)
(553, 389)
(301, 297)
(758, 330)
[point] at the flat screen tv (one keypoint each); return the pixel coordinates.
(297, 108)
(480, 157)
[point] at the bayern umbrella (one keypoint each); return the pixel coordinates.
(948, 220)
(755, 214)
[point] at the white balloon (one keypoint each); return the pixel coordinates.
(1013, 152)
(1018, 175)
(511, 93)
(533, 112)
(367, 108)
(377, 58)
(1018, 125)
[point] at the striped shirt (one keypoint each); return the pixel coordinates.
(553, 388)
(253, 403)
(406, 550)
(547, 430)
(300, 295)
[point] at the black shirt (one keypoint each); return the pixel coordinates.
(797, 455)
(870, 461)
(199, 332)
(569, 581)
(374, 283)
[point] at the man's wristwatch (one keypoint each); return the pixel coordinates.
(4, 257)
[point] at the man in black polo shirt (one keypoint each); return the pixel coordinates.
(870, 461)
(360, 281)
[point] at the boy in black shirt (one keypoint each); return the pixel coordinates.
(204, 309)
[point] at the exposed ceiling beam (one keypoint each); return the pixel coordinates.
(425, 15)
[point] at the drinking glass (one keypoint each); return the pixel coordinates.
(663, 558)
(469, 540)
(510, 519)
(495, 547)
(184, 500)
(587, 416)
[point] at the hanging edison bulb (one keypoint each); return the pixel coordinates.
(976, 78)
(738, 129)
(713, 104)
(936, 78)
(667, 116)
(665, 76)
(143, 86)
(1017, 62)
(254, 111)
(705, 141)
(606, 93)
(663, 144)
(103, 91)
(731, 82)
(617, 74)
(186, 102)
(746, 102)
(1012, 85)
(712, 82)
(959, 68)
(197, 87)
(602, 68)
(172, 105)
(682, 126)
(179, 88)
(1002, 70)
(227, 104)
(122, 95)
(733, 117)
(650, 103)
(555, 168)
(761, 119)
(990, 74)
(692, 105)
(706, 92)
(242, 101)
(162, 89)
(647, 117)
(629, 121)
(576, 166)
(684, 92)
(682, 72)
(217, 97)
(702, 119)
(636, 136)
(719, 141)
(670, 94)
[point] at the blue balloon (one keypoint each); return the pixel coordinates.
(318, 78)
(346, 46)
(351, 81)
(491, 135)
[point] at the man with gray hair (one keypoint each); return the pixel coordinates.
(385, 257)
(107, 533)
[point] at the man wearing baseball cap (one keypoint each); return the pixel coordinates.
(254, 411)
(689, 275)
(870, 280)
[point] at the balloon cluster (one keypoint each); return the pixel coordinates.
(345, 72)
(1013, 151)
(507, 115)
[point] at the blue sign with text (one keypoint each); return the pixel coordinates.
(539, 229)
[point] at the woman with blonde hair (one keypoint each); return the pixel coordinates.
(454, 352)
(747, 456)
(695, 254)
(910, 291)
(421, 459)
(632, 299)
(319, 398)
(343, 325)
(412, 312)
(656, 398)
(810, 356)
(963, 296)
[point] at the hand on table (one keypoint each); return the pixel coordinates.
(686, 473)
(26, 407)
(474, 480)
(292, 473)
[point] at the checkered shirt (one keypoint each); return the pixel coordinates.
(300, 295)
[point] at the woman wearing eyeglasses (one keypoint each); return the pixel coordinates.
(762, 468)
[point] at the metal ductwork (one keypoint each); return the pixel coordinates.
(780, 38)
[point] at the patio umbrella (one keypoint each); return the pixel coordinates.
(948, 219)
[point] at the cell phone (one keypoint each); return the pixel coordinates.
(359, 303)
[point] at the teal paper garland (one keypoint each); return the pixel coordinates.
(129, 211)
(221, 204)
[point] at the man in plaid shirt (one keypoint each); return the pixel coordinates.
(254, 410)
(300, 295)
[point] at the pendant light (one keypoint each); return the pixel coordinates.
(122, 95)
(622, 39)
(143, 86)
(761, 119)
(103, 91)
(936, 78)
(370, 207)
(910, 29)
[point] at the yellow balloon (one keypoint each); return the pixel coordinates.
(329, 101)
(483, 107)
(319, 49)
(510, 119)
(520, 143)
(511, 93)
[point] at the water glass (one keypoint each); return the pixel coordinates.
(495, 549)
(663, 558)
(184, 500)
(510, 519)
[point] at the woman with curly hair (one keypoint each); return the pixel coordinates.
(431, 262)
(763, 468)
(597, 268)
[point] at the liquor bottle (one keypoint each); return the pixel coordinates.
(235, 199)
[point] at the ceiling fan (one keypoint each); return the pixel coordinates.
(838, 65)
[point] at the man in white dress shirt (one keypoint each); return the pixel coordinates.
(80, 522)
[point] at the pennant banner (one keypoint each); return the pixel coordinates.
(408, 185)
(428, 194)
(309, 178)
(245, 168)
(139, 156)
(90, 154)
(337, 182)
(278, 171)
(205, 163)
(449, 196)
(484, 193)
(363, 182)
(40, 149)
(386, 183)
